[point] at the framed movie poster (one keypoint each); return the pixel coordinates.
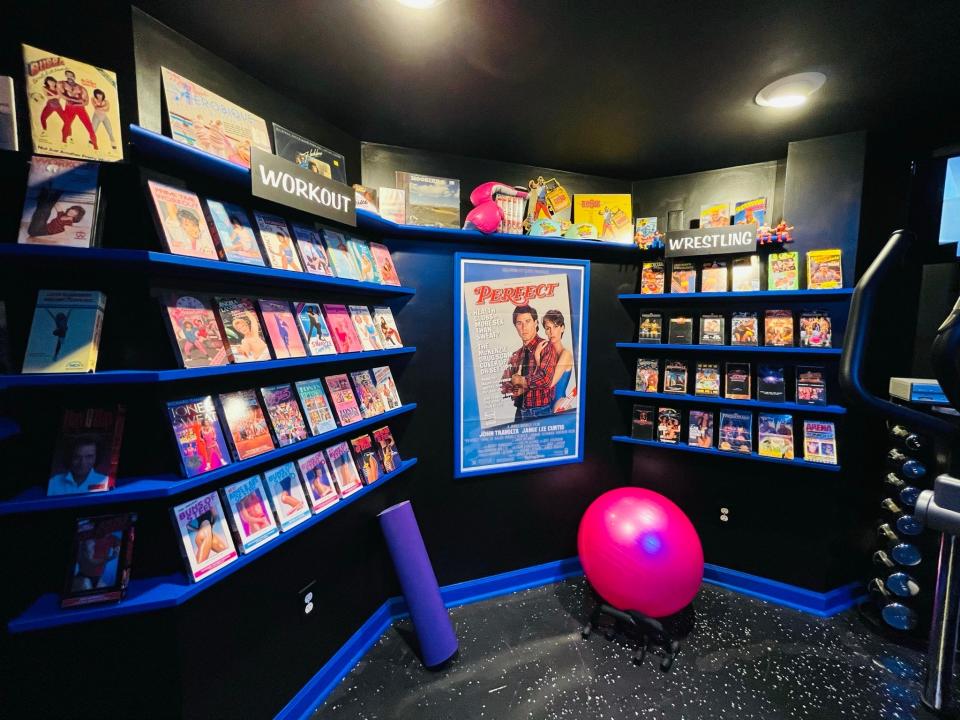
(519, 362)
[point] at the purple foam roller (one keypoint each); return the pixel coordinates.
(438, 642)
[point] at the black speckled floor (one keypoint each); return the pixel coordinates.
(522, 656)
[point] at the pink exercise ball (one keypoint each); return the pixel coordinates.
(640, 552)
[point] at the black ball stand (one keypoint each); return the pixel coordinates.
(635, 625)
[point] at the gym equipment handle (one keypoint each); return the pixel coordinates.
(858, 331)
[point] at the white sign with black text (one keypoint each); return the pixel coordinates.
(277, 179)
(711, 241)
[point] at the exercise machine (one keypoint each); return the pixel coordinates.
(937, 509)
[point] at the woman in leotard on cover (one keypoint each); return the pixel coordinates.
(563, 384)
(61, 324)
(211, 446)
(101, 106)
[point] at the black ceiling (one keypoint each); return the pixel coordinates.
(626, 89)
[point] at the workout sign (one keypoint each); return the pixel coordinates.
(277, 179)
(711, 241)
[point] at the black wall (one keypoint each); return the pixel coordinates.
(381, 161)
(242, 648)
(687, 193)
(823, 193)
(480, 526)
(156, 45)
(785, 523)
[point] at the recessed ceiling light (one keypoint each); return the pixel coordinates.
(420, 4)
(791, 91)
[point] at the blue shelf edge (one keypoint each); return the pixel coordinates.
(371, 221)
(132, 377)
(156, 145)
(668, 347)
(687, 398)
(836, 294)
(727, 454)
(151, 488)
(153, 260)
(172, 590)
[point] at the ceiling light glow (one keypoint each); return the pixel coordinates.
(787, 100)
(791, 91)
(420, 4)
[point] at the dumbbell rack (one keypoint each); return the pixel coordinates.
(904, 556)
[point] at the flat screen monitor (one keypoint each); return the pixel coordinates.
(950, 214)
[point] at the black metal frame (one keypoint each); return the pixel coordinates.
(945, 354)
(635, 625)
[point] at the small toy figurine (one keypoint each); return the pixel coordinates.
(782, 232)
(657, 243)
(779, 234)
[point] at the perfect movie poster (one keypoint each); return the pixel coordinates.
(520, 332)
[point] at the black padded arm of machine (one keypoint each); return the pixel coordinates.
(858, 332)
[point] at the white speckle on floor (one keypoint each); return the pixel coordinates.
(522, 656)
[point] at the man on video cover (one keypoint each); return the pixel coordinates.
(528, 378)
(81, 475)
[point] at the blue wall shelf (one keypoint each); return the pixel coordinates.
(500, 241)
(704, 400)
(150, 594)
(156, 263)
(151, 144)
(727, 454)
(756, 295)
(154, 145)
(167, 486)
(143, 377)
(711, 349)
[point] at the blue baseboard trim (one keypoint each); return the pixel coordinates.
(471, 591)
(319, 687)
(808, 601)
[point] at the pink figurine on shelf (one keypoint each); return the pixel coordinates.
(764, 235)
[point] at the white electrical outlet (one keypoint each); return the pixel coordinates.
(306, 598)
